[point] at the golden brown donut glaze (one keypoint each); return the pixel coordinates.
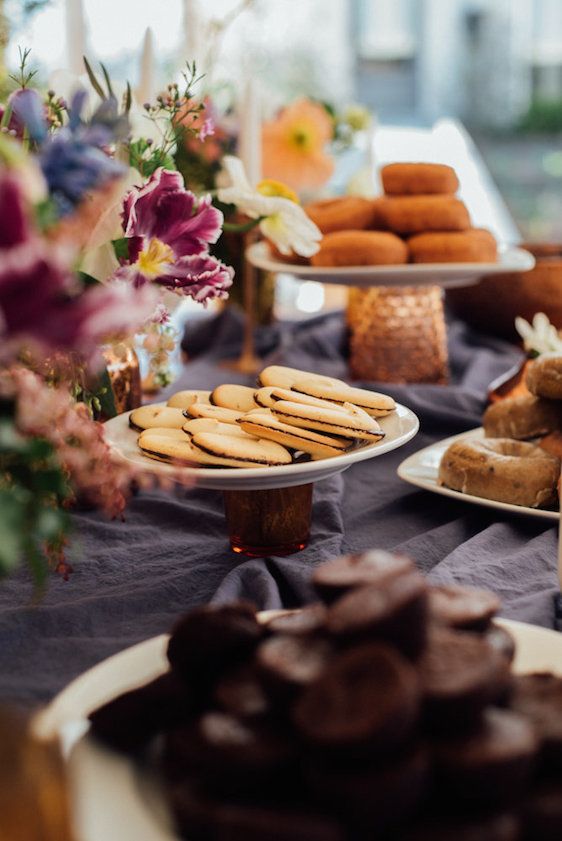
(344, 213)
(501, 469)
(360, 248)
(544, 376)
(418, 178)
(522, 418)
(473, 246)
(416, 214)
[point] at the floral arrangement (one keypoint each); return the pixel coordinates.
(68, 198)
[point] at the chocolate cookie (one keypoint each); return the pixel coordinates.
(460, 674)
(209, 638)
(331, 580)
(131, 720)
(240, 693)
(502, 641)
(463, 608)
(368, 701)
(288, 662)
(307, 620)
(393, 611)
(490, 766)
(231, 756)
(539, 698)
(372, 796)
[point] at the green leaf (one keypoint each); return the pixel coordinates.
(121, 248)
(12, 529)
(88, 279)
(107, 80)
(51, 524)
(93, 80)
(128, 99)
(104, 394)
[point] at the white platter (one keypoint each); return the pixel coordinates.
(112, 799)
(421, 468)
(447, 275)
(399, 427)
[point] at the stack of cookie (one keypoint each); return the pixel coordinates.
(519, 459)
(293, 415)
(418, 220)
(386, 710)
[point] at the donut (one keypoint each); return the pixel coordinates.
(416, 179)
(544, 376)
(501, 469)
(522, 418)
(473, 246)
(416, 214)
(360, 248)
(344, 213)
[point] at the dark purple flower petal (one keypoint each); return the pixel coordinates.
(28, 112)
(200, 277)
(14, 229)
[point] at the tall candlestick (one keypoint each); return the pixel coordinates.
(249, 139)
(146, 87)
(191, 46)
(75, 36)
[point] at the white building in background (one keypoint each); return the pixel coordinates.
(481, 60)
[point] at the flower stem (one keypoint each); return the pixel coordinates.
(238, 228)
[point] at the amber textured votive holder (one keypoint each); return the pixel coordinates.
(397, 334)
(269, 522)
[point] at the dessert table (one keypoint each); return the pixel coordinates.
(132, 579)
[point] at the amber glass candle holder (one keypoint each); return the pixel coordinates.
(269, 522)
(397, 334)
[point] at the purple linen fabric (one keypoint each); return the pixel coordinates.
(132, 580)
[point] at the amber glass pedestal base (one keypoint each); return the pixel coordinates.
(269, 522)
(397, 334)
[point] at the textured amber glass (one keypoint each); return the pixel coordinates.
(269, 522)
(397, 334)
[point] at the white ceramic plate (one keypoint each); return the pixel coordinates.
(400, 427)
(111, 797)
(421, 469)
(447, 275)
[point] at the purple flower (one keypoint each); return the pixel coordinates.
(42, 305)
(207, 129)
(28, 112)
(169, 231)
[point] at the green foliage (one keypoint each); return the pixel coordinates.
(544, 116)
(33, 490)
(147, 158)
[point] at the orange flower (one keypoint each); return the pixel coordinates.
(293, 146)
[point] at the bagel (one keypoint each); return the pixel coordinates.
(360, 248)
(473, 246)
(501, 469)
(343, 213)
(416, 214)
(522, 418)
(544, 376)
(414, 178)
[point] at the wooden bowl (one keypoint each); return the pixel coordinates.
(492, 305)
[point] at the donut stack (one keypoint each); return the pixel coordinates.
(418, 220)
(518, 461)
(385, 711)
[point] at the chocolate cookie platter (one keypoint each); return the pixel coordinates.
(291, 428)
(387, 709)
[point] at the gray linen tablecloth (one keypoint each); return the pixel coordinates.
(133, 579)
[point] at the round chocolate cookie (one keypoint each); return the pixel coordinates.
(306, 620)
(502, 826)
(130, 721)
(334, 578)
(231, 756)
(463, 608)
(460, 674)
(393, 611)
(210, 638)
(367, 701)
(539, 698)
(240, 693)
(372, 796)
(288, 662)
(490, 766)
